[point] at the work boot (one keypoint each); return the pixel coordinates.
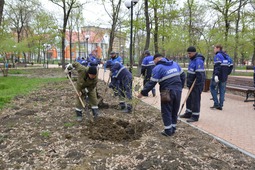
(122, 105)
(128, 109)
(219, 108)
(174, 129)
(192, 120)
(167, 132)
(95, 113)
(214, 107)
(186, 115)
(78, 115)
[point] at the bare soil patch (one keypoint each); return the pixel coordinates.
(39, 131)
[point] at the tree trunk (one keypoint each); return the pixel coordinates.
(148, 30)
(1, 10)
(156, 30)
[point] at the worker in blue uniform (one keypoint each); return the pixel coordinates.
(171, 79)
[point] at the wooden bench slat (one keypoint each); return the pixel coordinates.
(241, 84)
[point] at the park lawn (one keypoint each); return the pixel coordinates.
(12, 86)
(18, 71)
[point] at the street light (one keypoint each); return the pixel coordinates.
(13, 62)
(130, 4)
(123, 55)
(87, 41)
(46, 46)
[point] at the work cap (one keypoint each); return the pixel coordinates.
(113, 52)
(147, 52)
(108, 64)
(156, 56)
(92, 70)
(191, 49)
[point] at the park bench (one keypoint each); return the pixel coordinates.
(24, 64)
(242, 84)
(3, 65)
(21, 65)
(249, 67)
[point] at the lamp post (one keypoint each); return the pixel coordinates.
(46, 46)
(13, 62)
(44, 51)
(130, 4)
(87, 41)
(123, 56)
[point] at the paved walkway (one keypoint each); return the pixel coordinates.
(233, 125)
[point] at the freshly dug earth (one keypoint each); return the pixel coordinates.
(39, 131)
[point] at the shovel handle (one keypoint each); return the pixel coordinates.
(82, 103)
(107, 84)
(191, 88)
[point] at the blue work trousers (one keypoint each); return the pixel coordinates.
(170, 110)
(193, 102)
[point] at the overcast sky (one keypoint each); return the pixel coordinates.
(93, 13)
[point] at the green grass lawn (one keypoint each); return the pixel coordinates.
(12, 86)
(17, 71)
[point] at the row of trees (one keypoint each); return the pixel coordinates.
(165, 26)
(172, 28)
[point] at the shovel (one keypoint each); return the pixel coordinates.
(191, 88)
(82, 103)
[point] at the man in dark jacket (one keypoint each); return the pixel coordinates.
(196, 72)
(171, 79)
(147, 66)
(123, 78)
(86, 86)
(114, 59)
(222, 68)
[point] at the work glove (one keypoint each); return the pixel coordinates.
(86, 94)
(66, 71)
(216, 79)
(68, 68)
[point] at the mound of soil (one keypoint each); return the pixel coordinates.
(39, 131)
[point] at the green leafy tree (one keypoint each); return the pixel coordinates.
(67, 6)
(44, 31)
(19, 15)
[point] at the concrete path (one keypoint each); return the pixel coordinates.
(234, 125)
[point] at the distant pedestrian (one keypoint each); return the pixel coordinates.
(93, 60)
(222, 68)
(83, 62)
(196, 72)
(147, 66)
(115, 57)
(171, 79)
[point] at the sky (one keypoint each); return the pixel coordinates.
(93, 13)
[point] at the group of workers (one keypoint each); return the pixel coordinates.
(157, 69)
